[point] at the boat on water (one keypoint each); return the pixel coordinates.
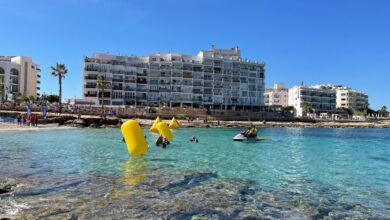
(241, 137)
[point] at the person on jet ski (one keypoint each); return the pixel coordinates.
(251, 133)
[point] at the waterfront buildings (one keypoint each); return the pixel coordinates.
(325, 99)
(215, 78)
(350, 99)
(277, 96)
(317, 99)
(19, 76)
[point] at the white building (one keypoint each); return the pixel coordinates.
(318, 100)
(349, 98)
(216, 78)
(277, 96)
(18, 76)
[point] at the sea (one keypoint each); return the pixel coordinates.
(298, 174)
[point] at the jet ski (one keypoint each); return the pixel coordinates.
(242, 137)
(250, 135)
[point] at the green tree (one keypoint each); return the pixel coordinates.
(59, 71)
(52, 98)
(383, 111)
(31, 98)
(101, 85)
(307, 107)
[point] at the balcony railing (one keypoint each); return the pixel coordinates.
(90, 95)
(91, 77)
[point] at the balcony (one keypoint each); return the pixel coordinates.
(90, 95)
(91, 77)
(117, 80)
(177, 75)
(197, 84)
(165, 75)
(90, 86)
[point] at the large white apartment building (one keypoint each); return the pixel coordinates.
(277, 96)
(349, 98)
(320, 99)
(18, 76)
(216, 78)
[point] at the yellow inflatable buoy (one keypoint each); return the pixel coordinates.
(134, 137)
(154, 128)
(174, 124)
(164, 131)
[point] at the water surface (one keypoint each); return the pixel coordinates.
(301, 173)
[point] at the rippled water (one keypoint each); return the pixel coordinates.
(301, 173)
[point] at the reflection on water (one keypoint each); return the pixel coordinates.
(134, 170)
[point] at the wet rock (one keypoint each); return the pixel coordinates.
(6, 188)
(79, 123)
(93, 125)
(60, 119)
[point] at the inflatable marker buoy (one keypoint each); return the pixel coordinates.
(134, 138)
(174, 124)
(164, 131)
(154, 129)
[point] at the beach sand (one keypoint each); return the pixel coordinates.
(6, 127)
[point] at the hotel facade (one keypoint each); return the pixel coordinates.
(350, 98)
(216, 78)
(277, 96)
(19, 75)
(320, 99)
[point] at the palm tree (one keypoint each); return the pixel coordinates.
(59, 71)
(307, 107)
(101, 84)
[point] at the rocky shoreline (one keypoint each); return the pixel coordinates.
(114, 122)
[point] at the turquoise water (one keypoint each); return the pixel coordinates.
(344, 171)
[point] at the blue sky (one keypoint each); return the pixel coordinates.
(323, 41)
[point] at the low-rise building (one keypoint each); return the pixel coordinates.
(317, 99)
(277, 96)
(19, 76)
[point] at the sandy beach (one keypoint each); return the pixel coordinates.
(6, 127)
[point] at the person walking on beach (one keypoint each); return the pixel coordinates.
(44, 114)
(24, 120)
(19, 118)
